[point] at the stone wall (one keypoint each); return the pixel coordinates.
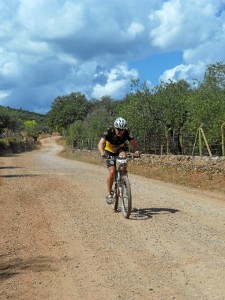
(192, 163)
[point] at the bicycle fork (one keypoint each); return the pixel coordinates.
(118, 183)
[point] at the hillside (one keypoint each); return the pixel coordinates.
(25, 114)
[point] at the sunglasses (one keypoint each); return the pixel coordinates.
(119, 129)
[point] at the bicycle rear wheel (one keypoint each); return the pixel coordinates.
(115, 197)
(126, 200)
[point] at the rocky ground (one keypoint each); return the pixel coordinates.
(60, 240)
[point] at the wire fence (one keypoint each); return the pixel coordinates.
(162, 146)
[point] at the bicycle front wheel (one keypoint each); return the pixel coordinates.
(115, 197)
(126, 201)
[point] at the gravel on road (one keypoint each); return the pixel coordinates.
(60, 240)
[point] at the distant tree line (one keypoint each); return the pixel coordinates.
(169, 118)
(164, 119)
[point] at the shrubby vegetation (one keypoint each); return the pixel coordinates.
(19, 129)
(164, 119)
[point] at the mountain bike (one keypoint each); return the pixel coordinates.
(121, 186)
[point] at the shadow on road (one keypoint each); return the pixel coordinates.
(146, 213)
(9, 167)
(16, 266)
(9, 155)
(19, 175)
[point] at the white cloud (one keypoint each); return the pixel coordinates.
(117, 81)
(183, 24)
(210, 51)
(50, 48)
(9, 65)
(134, 29)
(58, 22)
(186, 72)
(197, 28)
(4, 94)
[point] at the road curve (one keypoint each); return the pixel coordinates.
(60, 240)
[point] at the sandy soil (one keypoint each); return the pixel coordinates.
(60, 240)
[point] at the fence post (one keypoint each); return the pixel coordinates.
(193, 149)
(200, 142)
(205, 140)
(200, 132)
(223, 135)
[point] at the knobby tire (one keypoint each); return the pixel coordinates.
(115, 197)
(126, 201)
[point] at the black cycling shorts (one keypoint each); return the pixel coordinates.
(112, 162)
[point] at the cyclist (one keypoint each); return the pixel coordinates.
(113, 143)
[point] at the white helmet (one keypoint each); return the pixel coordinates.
(120, 123)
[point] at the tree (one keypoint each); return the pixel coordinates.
(66, 110)
(9, 120)
(171, 100)
(87, 132)
(31, 129)
(75, 134)
(207, 104)
(157, 114)
(137, 109)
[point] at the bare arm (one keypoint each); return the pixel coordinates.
(101, 146)
(134, 145)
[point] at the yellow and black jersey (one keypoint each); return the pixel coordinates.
(116, 143)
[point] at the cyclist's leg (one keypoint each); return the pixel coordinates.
(111, 166)
(110, 178)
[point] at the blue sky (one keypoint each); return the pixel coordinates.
(152, 67)
(50, 48)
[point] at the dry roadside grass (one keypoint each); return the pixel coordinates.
(193, 179)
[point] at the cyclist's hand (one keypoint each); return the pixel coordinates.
(137, 154)
(104, 156)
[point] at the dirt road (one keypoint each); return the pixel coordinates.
(60, 240)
